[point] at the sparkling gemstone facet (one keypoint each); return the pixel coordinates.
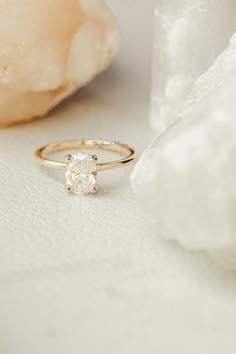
(81, 173)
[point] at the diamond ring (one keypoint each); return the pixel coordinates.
(81, 168)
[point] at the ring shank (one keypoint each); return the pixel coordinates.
(83, 144)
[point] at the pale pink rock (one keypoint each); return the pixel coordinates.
(48, 49)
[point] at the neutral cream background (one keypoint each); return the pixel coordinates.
(90, 275)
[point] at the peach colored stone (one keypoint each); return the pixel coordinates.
(49, 49)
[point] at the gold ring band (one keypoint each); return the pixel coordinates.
(81, 169)
(83, 144)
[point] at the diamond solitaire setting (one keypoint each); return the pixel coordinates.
(80, 173)
(80, 169)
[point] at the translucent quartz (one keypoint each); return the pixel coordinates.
(189, 35)
(190, 185)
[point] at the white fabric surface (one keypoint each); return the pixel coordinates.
(90, 275)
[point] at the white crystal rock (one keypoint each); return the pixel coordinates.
(189, 35)
(80, 174)
(48, 49)
(186, 178)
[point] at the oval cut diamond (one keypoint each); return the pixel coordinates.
(80, 174)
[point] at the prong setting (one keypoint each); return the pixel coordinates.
(67, 188)
(94, 157)
(68, 157)
(94, 189)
